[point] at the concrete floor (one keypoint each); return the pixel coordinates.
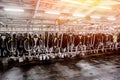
(102, 68)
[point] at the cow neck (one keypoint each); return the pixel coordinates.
(3, 37)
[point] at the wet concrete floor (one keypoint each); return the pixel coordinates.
(100, 68)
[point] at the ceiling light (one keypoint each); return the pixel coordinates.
(72, 1)
(14, 9)
(79, 15)
(52, 12)
(111, 18)
(95, 16)
(111, 2)
(75, 2)
(104, 7)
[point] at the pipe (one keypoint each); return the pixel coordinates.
(36, 9)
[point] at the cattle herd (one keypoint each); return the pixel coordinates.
(51, 45)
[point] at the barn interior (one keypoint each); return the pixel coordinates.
(59, 39)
